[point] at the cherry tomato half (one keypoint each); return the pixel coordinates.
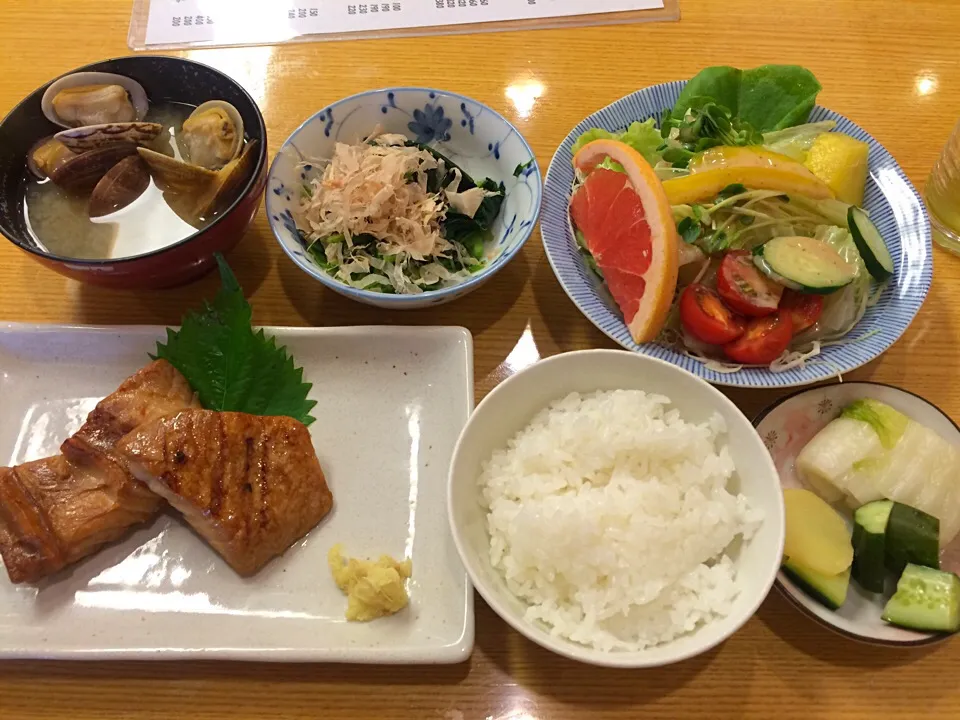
(804, 308)
(704, 316)
(763, 341)
(744, 288)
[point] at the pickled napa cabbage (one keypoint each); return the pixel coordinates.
(873, 452)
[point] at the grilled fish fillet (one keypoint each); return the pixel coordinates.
(250, 485)
(58, 510)
(154, 391)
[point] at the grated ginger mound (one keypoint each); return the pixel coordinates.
(373, 589)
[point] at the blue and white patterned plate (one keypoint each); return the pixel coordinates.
(893, 205)
(471, 134)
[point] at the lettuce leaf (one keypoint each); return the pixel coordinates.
(644, 138)
(608, 164)
(589, 136)
(641, 136)
(795, 142)
(770, 97)
(721, 84)
(774, 97)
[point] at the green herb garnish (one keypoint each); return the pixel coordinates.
(689, 229)
(730, 191)
(716, 242)
(704, 125)
(231, 367)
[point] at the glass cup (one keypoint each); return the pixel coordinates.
(943, 195)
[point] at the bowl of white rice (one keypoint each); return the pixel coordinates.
(616, 509)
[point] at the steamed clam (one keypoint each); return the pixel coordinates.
(92, 98)
(91, 137)
(103, 114)
(213, 135)
(110, 152)
(123, 183)
(231, 176)
(46, 156)
(195, 192)
(81, 173)
(176, 176)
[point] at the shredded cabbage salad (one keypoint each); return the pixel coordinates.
(389, 215)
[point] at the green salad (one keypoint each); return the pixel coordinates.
(777, 255)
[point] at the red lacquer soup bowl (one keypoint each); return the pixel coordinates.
(165, 80)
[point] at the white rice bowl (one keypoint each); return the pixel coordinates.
(614, 520)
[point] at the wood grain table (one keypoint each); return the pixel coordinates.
(891, 66)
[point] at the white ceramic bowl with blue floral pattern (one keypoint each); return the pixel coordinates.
(471, 134)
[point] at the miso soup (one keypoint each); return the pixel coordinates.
(59, 220)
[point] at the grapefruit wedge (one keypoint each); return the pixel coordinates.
(628, 226)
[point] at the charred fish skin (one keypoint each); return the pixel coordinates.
(58, 510)
(155, 390)
(54, 512)
(28, 545)
(250, 485)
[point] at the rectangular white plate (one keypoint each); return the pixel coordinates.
(390, 404)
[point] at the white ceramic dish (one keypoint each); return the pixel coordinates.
(391, 402)
(514, 403)
(786, 426)
(473, 135)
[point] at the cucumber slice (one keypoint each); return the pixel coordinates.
(926, 599)
(913, 536)
(869, 544)
(870, 243)
(805, 264)
(765, 268)
(830, 590)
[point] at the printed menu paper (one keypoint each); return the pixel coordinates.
(230, 22)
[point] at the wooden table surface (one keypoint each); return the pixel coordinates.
(890, 66)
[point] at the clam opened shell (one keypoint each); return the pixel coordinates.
(90, 98)
(123, 183)
(213, 134)
(95, 136)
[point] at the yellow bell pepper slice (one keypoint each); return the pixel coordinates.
(754, 168)
(737, 156)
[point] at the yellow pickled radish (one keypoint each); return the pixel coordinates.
(816, 535)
